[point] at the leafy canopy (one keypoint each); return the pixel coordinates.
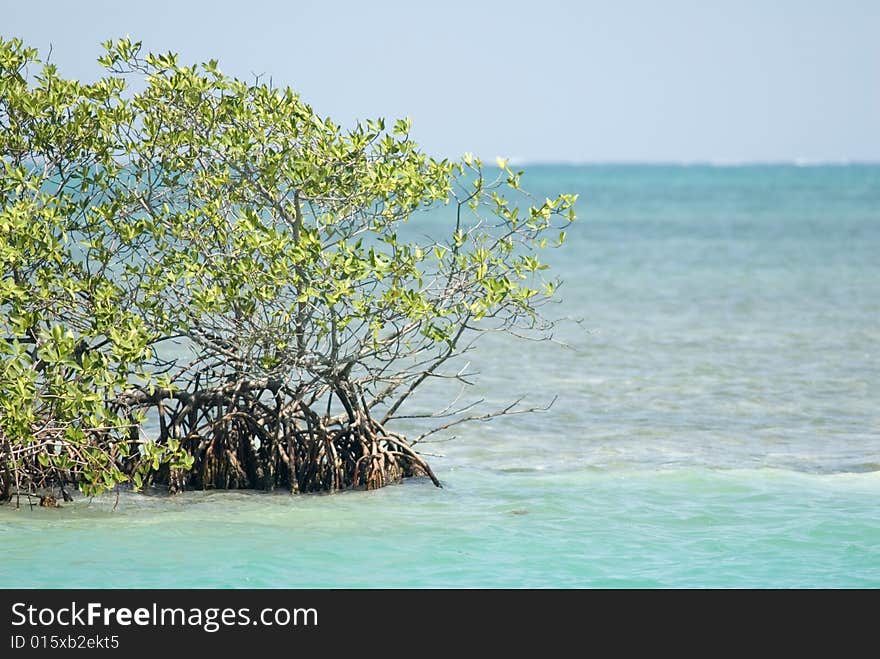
(170, 227)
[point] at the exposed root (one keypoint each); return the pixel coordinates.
(249, 436)
(263, 436)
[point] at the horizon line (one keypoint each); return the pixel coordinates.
(790, 162)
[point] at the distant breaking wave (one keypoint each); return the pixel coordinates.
(517, 161)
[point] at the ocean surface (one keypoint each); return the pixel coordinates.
(717, 421)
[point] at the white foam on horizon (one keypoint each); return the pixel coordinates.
(517, 161)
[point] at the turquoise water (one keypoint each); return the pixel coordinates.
(717, 421)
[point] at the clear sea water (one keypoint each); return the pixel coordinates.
(718, 422)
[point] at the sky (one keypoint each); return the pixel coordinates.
(551, 81)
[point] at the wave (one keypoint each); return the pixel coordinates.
(516, 161)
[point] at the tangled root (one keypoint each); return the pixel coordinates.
(238, 437)
(266, 439)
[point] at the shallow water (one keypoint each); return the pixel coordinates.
(685, 527)
(717, 422)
